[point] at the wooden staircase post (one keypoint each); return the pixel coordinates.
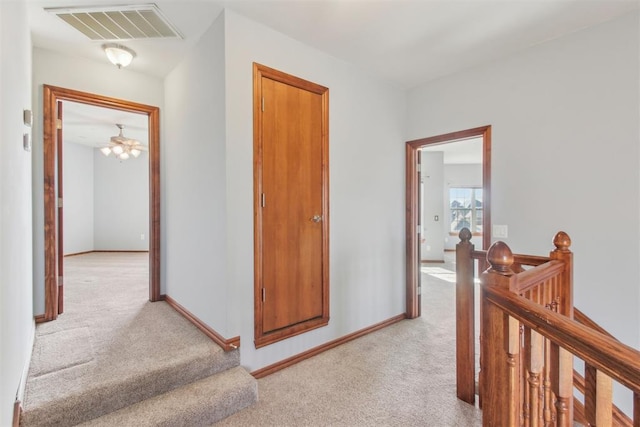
(465, 319)
(562, 242)
(499, 341)
(561, 359)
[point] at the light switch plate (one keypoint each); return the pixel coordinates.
(27, 117)
(500, 231)
(26, 142)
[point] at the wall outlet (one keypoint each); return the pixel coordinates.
(142, 236)
(500, 231)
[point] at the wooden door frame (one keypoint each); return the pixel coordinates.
(413, 308)
(51, 95)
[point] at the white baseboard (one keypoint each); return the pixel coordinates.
(25, 369)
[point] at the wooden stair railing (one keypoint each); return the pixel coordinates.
(585, 413)
(567, 338)
(527, 375)
(466, 257)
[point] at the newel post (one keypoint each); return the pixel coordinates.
(561, 360)
(500, 345)
(562, 242)
(465, 319)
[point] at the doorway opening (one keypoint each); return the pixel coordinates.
(433, 223)
(53, 202)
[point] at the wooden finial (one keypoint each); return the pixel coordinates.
(562, 241)
(500, 258)
(465, 235)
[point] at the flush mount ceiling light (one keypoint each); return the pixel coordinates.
(123, 147)
(119, 55)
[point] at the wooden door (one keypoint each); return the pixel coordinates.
(291, 206)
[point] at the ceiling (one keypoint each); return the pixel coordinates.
(94, 126)
(406, 42)
(459, 152)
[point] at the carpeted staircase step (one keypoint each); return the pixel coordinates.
(95, 400)
(201, 403)
(91, 372)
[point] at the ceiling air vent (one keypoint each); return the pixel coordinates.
(118, 22)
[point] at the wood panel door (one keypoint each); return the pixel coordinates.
(291, 205)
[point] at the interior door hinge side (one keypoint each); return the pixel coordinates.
(419, 168)
(59, 202)
(263, 104)
(262, 200)
(58, 124)
(264, 294)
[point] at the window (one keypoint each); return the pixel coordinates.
(465, 204)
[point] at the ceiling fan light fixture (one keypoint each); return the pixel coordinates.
(123, 148)
(117, 150)
(120, 56)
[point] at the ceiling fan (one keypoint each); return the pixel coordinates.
(123, 147)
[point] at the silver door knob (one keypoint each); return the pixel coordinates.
(316, 218)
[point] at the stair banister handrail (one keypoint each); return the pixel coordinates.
(620, 361)
(466, 254)
(512, 377)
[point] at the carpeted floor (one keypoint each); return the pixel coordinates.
(112, 347)
(403, 375)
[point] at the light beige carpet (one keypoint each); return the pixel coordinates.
(112, 347)
(403, 375)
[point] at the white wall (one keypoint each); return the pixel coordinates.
(433, 232)
(366, 168)
(565, 139)
(106, 201)
(459, 175)
(16, 314)
(89, 76)
(213, 191)
(78, 198)
(121, 203)
(195, 183)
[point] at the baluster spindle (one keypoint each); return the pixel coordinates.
(513, 351)
(536, 361)
(548, 397)
(598, 406)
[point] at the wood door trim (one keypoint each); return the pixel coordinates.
(227, 344)
(17, 411)
(412, 208)
(52, 94)
(259, 71)
(60, 264)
